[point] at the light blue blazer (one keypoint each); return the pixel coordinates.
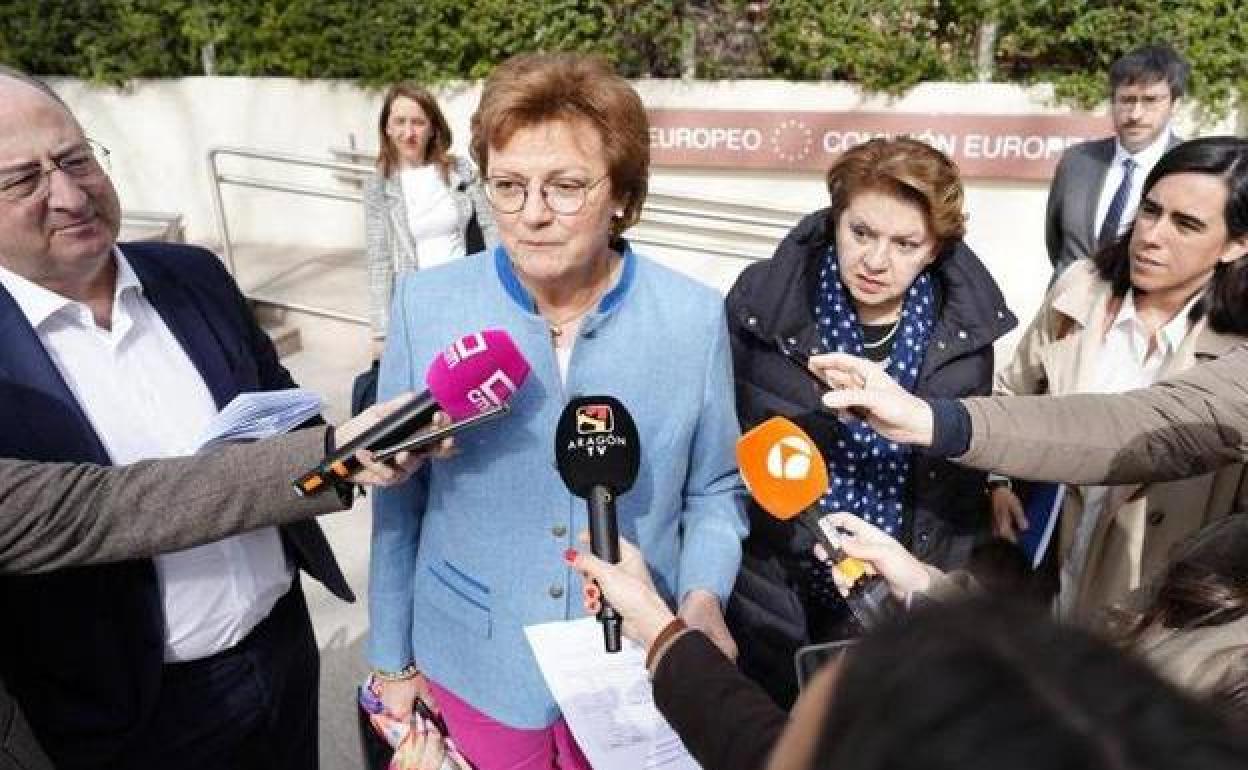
(470, 550)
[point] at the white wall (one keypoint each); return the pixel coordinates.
(160, 132)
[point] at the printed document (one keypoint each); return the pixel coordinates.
(606, 698)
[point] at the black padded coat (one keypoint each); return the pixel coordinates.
(947, 509)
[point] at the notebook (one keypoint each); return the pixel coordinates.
(1042, 502)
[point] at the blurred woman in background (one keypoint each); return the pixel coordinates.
(423, 207)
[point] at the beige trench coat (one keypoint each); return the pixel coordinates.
(1141, 522)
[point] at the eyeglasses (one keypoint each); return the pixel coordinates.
(1149, 102)
(85, 163)
(563, 196)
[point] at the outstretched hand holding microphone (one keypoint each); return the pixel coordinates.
(473, 378)
(598, 454)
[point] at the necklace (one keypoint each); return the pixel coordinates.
(558, 326)
(882, 340)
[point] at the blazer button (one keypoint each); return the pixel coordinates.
(792, 342)
(556, 591)
(940, 344)
(1155, 518)
(558, 530)
(752, 320)
(962, 334)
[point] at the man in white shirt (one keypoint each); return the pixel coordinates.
(203, 658)
(1096, 187)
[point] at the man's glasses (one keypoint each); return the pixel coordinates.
(84, 163)
(563, 196)
(1149, 102)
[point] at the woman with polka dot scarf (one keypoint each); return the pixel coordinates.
(881, 273)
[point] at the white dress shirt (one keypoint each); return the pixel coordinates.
(432, 216)
(1128, 359)
(145, 398)
(1144, 161)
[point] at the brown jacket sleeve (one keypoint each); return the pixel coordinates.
(725, 720)
(57, 515)
(1184, 426)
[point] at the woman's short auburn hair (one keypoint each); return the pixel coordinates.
(439, 149)
(909, 169)
(531, 89)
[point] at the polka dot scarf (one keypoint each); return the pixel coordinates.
(869, 473)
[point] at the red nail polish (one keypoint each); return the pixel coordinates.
(569, 555)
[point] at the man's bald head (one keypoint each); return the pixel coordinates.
(9, 73)
(57, 226)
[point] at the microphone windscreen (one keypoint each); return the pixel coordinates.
(596, 444)
(476, 372)
(782, 467)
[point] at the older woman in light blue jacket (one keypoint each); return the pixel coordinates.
(470, 552)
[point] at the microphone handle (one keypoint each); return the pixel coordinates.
(869, 598)
(811, 518)
(604, 541)
(410, 418)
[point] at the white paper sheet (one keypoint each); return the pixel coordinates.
(258, 415)
(606, 698)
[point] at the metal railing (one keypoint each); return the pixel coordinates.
(223, 228)
(723, 227)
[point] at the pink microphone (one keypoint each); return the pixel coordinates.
(476, 373)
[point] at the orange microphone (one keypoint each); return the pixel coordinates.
(786, 474)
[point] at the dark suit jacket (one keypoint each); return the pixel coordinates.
(54, 516)
(1070, 217)
(83, 648)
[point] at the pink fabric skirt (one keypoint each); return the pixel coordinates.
(492, 745)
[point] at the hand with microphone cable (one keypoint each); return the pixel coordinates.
(786, 474)
(862, 540)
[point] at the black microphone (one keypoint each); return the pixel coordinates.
(598, 455)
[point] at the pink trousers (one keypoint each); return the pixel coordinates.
(492, 745)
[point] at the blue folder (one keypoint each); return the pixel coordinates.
(1042, 502)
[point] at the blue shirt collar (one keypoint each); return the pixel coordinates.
(609, 302)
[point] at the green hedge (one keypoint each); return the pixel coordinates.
(886, 45)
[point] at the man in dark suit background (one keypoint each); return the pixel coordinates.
(200, 659)
(1096, 188)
